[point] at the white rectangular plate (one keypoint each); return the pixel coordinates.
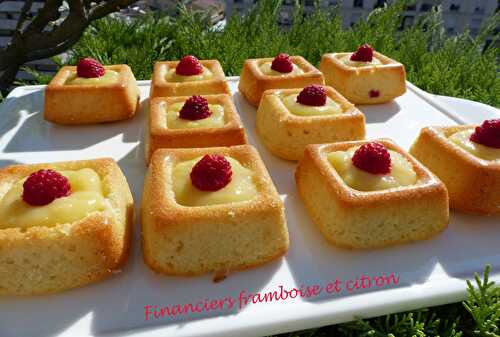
(430, 272)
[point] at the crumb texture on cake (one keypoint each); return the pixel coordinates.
(41, 259)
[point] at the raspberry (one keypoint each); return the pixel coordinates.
(43, 186)
(189, 66)
(195, 107)
(363, 54)
(89, 68)
(373, 158)
(282, 63)
(314, 95)
(488, 133)
(374, 93)
(211, 173)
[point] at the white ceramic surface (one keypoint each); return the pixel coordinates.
(430, 272)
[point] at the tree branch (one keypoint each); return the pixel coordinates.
(24, 15)
(36, 42)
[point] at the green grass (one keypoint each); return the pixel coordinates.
(456, 66)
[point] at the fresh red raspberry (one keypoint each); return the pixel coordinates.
(374, 93)
(189, 66)
(488, 133)
(195, 107)
(363, 54)
(43, 186)
(89, 68)
(373, 158)
(314, 95)
(211, 173)
(282, 63)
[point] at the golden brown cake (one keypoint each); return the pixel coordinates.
(72, 99)
(368, 79)
(405, 204)
(202, 77)
(167, 128)
(470, 171)
(191, 229)
(286, 126)
(77, 238)
(258, 76)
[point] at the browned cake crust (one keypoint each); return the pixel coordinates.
(253, 82)
(473, 183)
(354, 219)
(355, 84)
(160, 87)
(180, 240)
(91, 104)
(40, 260)
(286, 135)
(160, 136)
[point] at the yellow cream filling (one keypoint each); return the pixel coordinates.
(172, 76)
(109, 77)
(402, 173)
(86, 197)
(330, 108)
(266, 69)
(347, 61)
(215, 120)
(461, 139)
(241, 187)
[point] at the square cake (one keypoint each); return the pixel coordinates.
(365, 76)
(289, 119)
(210, 210)
(63, 225)
(468, 165)
(187, 77)
(282, 72)
(76, 95)
(189, 122)
(369, 194)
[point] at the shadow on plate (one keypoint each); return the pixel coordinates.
(313, 260)
(380, 113)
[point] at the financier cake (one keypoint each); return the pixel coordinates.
(210, 210)
(62, 225)
(284, 71)
(188, 76)
(289, 119)
(369, 194)
(91, 93)
(196, 121)
(365, 76)
(467, 159)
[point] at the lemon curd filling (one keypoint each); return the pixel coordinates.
(86, 197)
(215, 120)
(266, 69)
(402, 173)
(347, 61)
(330, 108)
(241, 187)
(172, 76)
(462, 139)
(109, 77)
